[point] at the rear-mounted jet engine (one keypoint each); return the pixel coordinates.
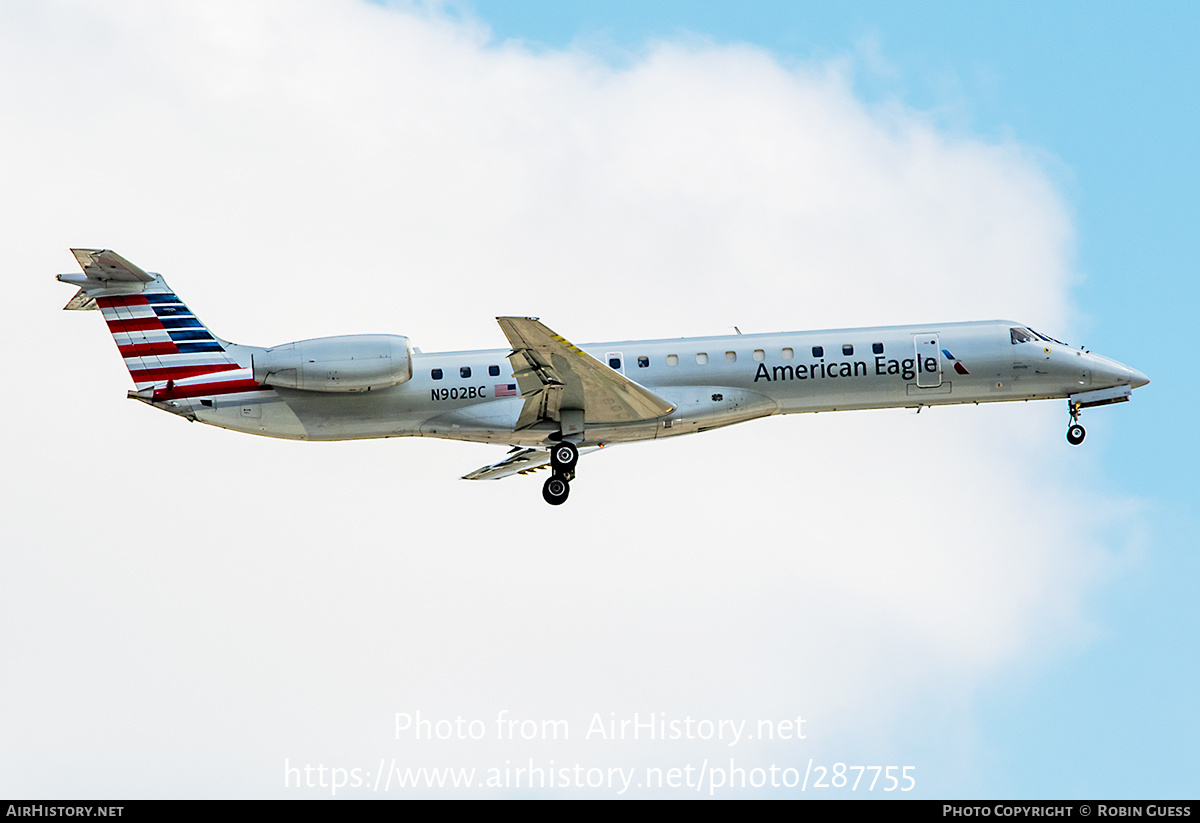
(353, 363)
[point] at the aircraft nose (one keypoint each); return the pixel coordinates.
(1108, 372)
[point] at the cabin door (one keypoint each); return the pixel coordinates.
(929, 361)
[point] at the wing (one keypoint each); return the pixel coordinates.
(555, 375)
(519, 461)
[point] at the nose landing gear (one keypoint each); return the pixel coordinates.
(1075, 432)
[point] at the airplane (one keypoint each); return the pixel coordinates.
(550, 400)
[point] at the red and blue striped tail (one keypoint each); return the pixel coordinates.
(168, 351)
(160, 339)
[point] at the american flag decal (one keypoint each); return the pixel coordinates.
(505, 390)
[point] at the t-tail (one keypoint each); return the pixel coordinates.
(168, 351)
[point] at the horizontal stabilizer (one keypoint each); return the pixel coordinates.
(81, 302)
(107, 265)
(104, 272)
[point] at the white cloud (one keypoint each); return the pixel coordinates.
(189, 607)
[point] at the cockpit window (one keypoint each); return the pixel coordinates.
(1021, 336)
(1048, 339)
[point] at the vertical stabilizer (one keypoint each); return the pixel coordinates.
(159, 338)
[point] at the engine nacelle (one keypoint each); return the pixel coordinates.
(353, 363)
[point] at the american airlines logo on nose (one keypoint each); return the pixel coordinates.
(958, 366)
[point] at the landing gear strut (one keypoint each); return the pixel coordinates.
(1075, 432)
(563, 457)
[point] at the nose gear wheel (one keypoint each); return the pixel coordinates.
(1075, 432)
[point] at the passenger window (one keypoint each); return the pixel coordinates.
(702, 358)
(614, 363)
(818, 351)
(494, 371)
(760, 355)
(877, 348)
(465, 371)
(788, 354)
(847, 350)
(730, 357)
(672, 360)
(436, 374)
(643, 362)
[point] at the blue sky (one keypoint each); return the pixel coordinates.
(1106, 91)
(328, 167)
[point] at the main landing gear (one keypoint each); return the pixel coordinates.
(1075, 432)
(563, 457)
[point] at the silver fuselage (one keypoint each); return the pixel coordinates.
(712, 382)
